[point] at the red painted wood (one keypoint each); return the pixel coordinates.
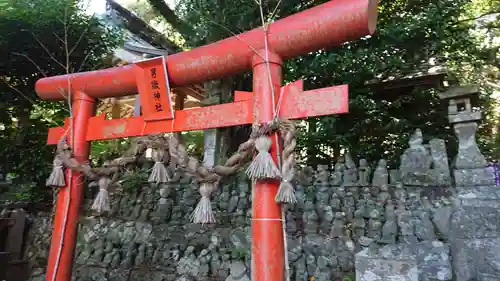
(326, 25)
(154, 90)
(242, 95)
(268, 254)
(294, 105)
(70, 198)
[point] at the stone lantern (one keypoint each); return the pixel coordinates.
(469, 164)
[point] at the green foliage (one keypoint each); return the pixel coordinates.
(41, 38)
(410, 38)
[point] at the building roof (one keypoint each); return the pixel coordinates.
(141, 41)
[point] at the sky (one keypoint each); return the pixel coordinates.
(98, 7)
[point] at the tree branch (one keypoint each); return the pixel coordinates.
(169, 15)
(476, 18)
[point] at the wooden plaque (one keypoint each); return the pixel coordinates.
(154, 89)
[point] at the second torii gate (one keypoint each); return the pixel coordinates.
(329, 24)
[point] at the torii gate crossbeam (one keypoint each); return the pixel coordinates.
(326, 25)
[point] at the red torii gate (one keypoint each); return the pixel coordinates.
(329, 24)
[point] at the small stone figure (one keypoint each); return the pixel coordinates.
(424, 229)
(98, 253)
(338, 225)
(310, 218)
(85, 254)
(374, 226)
(311, 265)
(233, 202)
(381, 175)
(390, 228)
(337, 175)
(128, 261)
(115, 262)
(359, 224)
(291, 225)
(405, 224)
(327, 218)
(321, 176)
(323, 272)
(351, 172)
(204, 260)
(384, 195)
(416, 162)
(223, 200)
(364, 173)
(400, 193)
(335, 202)
(108, 258)
(238, 272)
(141, 255)
(225, 265)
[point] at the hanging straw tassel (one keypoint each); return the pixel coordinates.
(263, 166)
(159, 173)
(203, 213)
(286, 192)
(101, 201)
(56, 178)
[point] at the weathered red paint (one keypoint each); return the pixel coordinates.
(326, 25)
(295, 104)
(66, 222)
(268, 260)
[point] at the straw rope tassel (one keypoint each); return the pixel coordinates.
(56, 178)
(101, 201)
(159, 172)
(263, 166)
(203, 213)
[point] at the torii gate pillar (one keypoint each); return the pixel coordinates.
(268, 253)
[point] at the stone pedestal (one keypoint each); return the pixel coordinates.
(474, 177)
(375, 268)
(469, 156)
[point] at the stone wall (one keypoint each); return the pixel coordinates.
(339, 213)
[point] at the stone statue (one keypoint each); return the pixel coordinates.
(390, 228)
(424, 229)
(85, 254)
(359, 224)
(128, 260)
(323, 271)
(233, 202)
(321, 176)
(115, 261)
(327, 218)
(406, 226)
(141, 255)
(351, 172)
(416, 162)
(337, 175)
(311, 264)
(335, 202)
(384, 195)
(400, 193)
(338, 225)
(225, 265)
(238, 272)
(98, 253)
(374, 226)
(364, 173)
(204, 260)
(381, 174)
(108, 258)
(310, 218)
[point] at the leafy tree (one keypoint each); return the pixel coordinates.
(41, 38)
(410, 36)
